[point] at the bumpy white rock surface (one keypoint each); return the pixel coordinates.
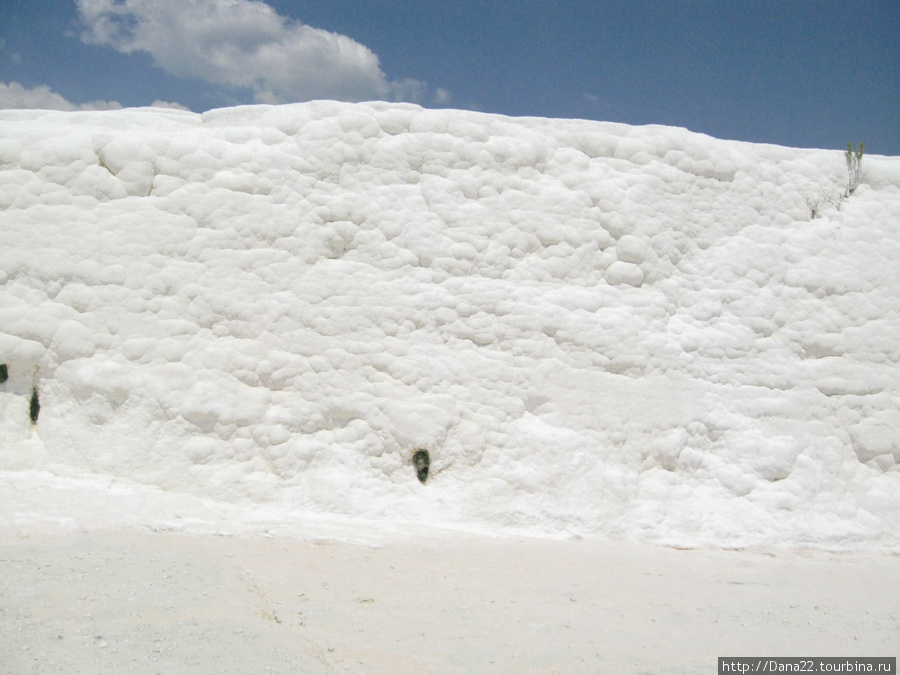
(593, 328)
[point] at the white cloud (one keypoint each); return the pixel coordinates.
(243, 43)
(169, 104)
(408, 89)
(442, 96)
(14, 95)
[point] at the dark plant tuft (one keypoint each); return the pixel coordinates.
(35, 406)
(421, 461)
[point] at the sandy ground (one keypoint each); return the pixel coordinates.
(99, 579)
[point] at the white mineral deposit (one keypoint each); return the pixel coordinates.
(652, 377)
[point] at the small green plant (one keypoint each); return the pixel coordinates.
(4, 373)
(854, 166)
(35, 408)
(421, 461)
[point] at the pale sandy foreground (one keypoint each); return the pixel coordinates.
(112, 579)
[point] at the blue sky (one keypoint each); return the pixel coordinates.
(793, 72)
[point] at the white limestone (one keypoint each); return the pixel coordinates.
(593, 328)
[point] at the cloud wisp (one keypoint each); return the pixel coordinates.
(15, 96)
(243, 44)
